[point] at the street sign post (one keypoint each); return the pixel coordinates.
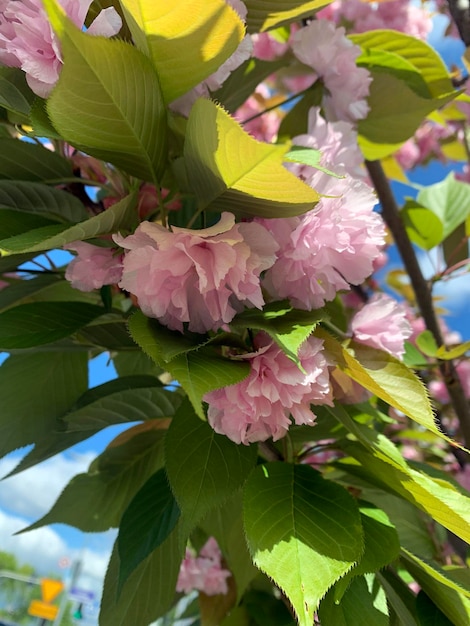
(50, 589)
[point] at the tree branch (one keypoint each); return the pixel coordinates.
(391, 216)
(461, 17)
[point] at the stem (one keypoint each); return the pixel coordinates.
(423, 295)
(275, 106)
(269, 451)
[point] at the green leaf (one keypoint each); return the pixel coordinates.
(15, 94)
(229, 170)
(303, 531)
(37, 198)
(265, 609)
(400, 598)
(377, 461)
(289, 327)
(53, 380)
(449, 200)
(109, 332)
(50, 444)
(204, 468)
(21, 160)
(308, 156)
(455, 245)
(187, 40)
(225, 523)
(426, 343)
(241, 83)
(14, 223)
(451, 598)
(119, 216)
(413, 358)
(424, 228)
(38, 323)
(148, 520)
(384, 376)
(453, 353)
(148, 593)
(107, 101)
(428, 613)
(95, 501)
(20, 290)
(361, 605)
(127, 399)
(198, 370)
(130, 363)
(418, 53)
(265, 15)
(381, 543)
(395, 113)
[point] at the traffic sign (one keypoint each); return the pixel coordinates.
(81, 595)
(37, 608)
(50, 589)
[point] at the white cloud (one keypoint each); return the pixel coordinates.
(44, 548)
(32, 492)
(41, 548)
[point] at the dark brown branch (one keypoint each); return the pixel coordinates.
(461, 17)
(423, 295)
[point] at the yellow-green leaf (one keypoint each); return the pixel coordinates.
(268, 14)
(229, 170)
(187, 40)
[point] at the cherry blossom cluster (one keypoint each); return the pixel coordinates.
(203, 572)
(198, 280)
(28, 41)
(400, 15)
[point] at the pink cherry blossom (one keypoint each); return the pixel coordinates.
(93, 266)
(360, 16)
(28, 41)
(382, 323)
(337, 142)
(267, 48)
(201, 277)
(261, 405)
(327, 249)
(332, 56)
(204, 572)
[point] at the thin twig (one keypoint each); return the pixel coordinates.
(423, 295)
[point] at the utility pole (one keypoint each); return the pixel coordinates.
(76, 569)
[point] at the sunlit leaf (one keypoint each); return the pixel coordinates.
(187, 40)
(229, 170)
(268, 14)
(449, 200)
(384, 376)
(303, 531)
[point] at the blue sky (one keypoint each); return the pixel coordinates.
(29, 495)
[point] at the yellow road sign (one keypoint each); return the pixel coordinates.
(37, 608)
(50, 589)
